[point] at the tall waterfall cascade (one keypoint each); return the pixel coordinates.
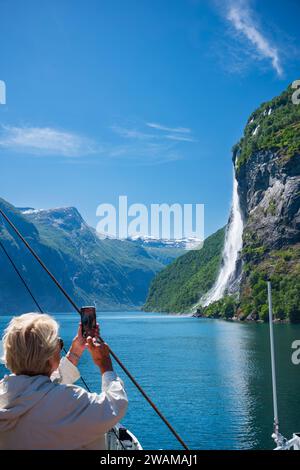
(232, 246)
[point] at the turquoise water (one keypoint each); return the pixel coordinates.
(210, 378)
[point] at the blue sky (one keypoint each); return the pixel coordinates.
(139, 98)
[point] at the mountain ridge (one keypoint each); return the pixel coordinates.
(114, 274)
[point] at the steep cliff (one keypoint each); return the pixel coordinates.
(267, 161)
(267, 171)
(268, 177)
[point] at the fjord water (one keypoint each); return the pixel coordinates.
(211, 378)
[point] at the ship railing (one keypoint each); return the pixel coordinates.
(292, 444)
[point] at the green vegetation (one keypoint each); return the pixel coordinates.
(277, 131)
(282, 267)
(182, 283)
(224, 308)
(272, 207)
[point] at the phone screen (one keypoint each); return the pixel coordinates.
(88, 321)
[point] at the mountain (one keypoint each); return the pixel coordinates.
(70, 223)
(166, 251)
(114, 274)
(184, 281)
(267, 161)
(267, 172)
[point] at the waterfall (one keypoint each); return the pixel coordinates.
(233, 244)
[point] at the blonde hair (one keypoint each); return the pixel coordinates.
(29, 341)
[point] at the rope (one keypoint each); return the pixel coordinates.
(148, 399)
(21, 278)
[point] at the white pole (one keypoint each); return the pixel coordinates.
(276, 422)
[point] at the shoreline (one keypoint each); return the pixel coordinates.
(232, 320)
(246, 320)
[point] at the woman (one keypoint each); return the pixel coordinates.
(39, 406)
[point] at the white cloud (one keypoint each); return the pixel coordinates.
(180, 138)
(132, 144)
(145, 153)
(46, 141)
(150, 147)
(242, 18)
(132, 133)
(160, 127)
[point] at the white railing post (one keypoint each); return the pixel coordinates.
(275, 407)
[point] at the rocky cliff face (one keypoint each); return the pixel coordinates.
(269, 190)
(267, 162)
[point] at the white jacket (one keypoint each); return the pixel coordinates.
(42, 413)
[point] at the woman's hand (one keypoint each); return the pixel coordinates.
(100, 354)
(79, 344)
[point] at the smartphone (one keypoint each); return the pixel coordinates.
(88, 321)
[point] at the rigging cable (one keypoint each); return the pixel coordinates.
(141, 390)
(41, 311)
(21, 277)
(33, 297)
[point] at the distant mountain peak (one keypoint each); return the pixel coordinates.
(67, 217)
(185, 243)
